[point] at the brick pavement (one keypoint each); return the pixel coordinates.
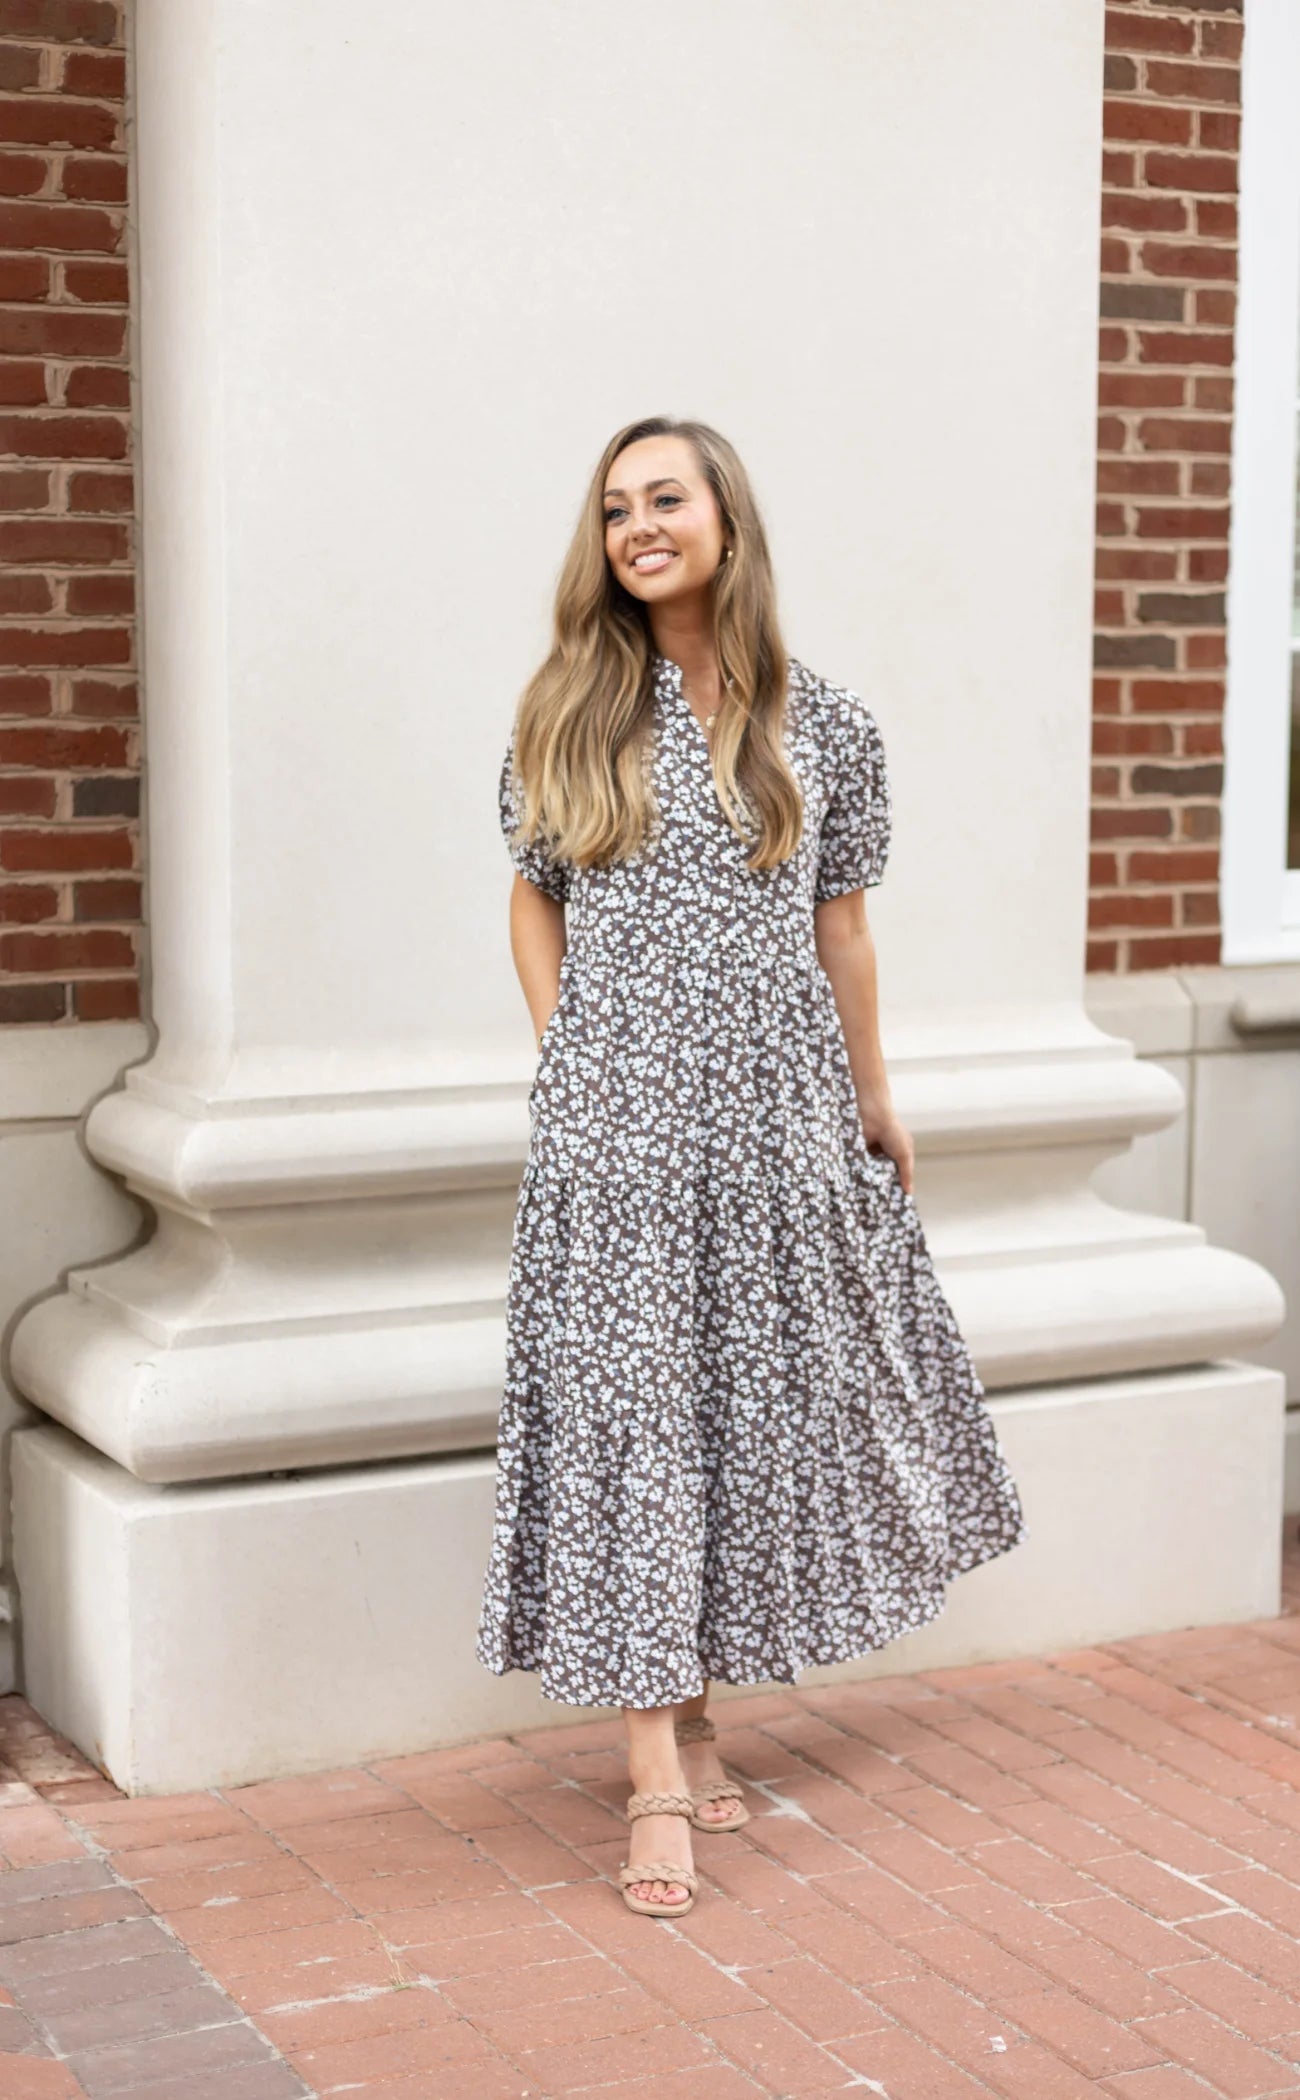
(1041, 1880)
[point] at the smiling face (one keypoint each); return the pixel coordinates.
(664, 535)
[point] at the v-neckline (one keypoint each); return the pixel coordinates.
(672, 674)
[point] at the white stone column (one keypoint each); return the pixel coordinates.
(387, 321)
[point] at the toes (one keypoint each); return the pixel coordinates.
(660, 1891)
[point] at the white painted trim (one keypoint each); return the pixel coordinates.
(1291, 1470)
(1260, 896)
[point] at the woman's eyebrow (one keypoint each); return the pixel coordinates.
(662, 482)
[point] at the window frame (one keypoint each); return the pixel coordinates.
(1260, 895)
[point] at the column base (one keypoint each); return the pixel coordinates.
(208, 1635)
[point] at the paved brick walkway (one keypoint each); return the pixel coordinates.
(1077, 1876)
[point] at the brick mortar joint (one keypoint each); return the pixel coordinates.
(93, 1849)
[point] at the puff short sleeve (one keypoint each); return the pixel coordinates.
(855, 833)
(530, 856)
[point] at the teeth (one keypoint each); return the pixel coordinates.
(645, 561)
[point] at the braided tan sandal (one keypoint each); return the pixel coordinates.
(700, 1729)
(658, 1869)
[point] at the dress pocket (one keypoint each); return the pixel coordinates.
(551, 1033)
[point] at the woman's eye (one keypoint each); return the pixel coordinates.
(612, 516)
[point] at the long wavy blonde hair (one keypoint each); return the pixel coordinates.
(584, 722)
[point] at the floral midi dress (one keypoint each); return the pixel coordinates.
(740, 1431)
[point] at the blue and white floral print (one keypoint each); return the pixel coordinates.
(740, 1431)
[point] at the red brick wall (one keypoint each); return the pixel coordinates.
(1168, 295)
(70, 934)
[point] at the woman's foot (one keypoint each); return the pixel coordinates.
(701, 1765)
(661, 1838)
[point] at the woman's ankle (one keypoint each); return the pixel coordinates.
(656, 1777)
(653, 1763)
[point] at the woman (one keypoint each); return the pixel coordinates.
(740, 1431)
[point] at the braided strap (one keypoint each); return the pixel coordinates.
(699, 1729)
(659, 1870)
(658, 1805)
(718, 1790)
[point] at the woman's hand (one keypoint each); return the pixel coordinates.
(847, 954)
(538, 941)
(886, 1134)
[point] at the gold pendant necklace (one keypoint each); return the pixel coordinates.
(708, 721)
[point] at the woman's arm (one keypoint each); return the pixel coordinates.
(847, 953)
(538, 940)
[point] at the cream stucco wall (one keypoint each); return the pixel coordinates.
(470, 244)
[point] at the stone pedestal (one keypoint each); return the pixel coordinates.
(204, 1636)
